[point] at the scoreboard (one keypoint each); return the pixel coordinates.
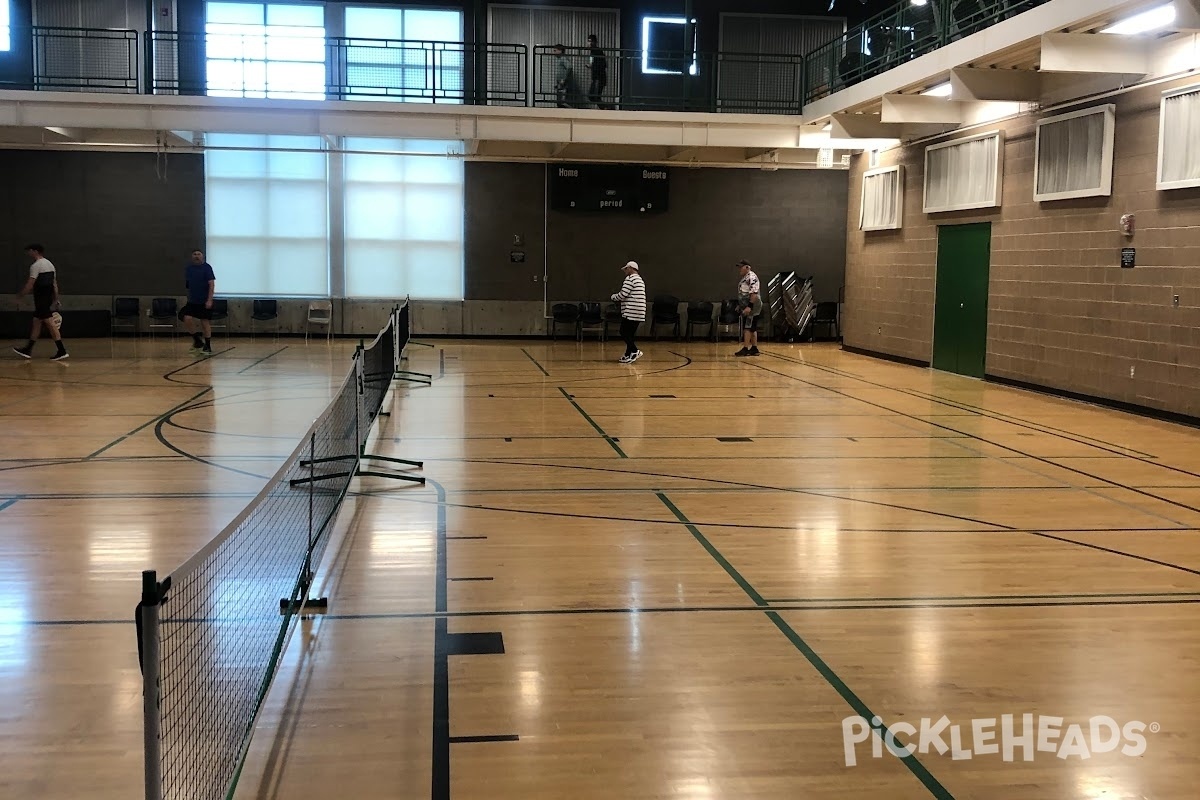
(610, 188)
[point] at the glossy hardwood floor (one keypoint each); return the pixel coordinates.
(689, 576)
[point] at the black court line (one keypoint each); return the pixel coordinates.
(469, 580)
(535, 362)
(823, 669)
(466, 538)
(150, 422)
(170, 375)
(509, 737)
(261, 360)
(440, 757)
(592, 422)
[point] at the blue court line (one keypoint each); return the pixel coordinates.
(9, 503)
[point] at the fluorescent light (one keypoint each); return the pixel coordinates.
(920, 2)
(1145, 22)
(941, 90)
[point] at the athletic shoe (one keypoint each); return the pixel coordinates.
(741, 353)
(60, 356)
(24, 352)
(626, 359)
(206, 351)
(753, 352)
(636, 356)
(195, 351)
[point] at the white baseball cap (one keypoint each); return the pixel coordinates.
(631, 265)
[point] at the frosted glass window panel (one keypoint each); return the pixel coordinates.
(308, 16)
(404, 219)
(268, 214)
(236, 13)
(375, 212)
(429, 213)
(297, 209)
(296, 44)
(425, 270)
(882, 199)
(1179, 140)
(236, 41)
(295, 81)
(1074, 155)
(433, 25)
(375, 23)
(963, 174)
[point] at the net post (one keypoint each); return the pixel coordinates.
(148, 638)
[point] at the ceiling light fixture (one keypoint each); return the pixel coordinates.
(1145, 22)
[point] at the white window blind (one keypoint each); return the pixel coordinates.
(1074, 155)
(272, 50)
(402, 54)
(404, 219)
(882, 199)
(267, 215)
(964, 174)
(1179, 139)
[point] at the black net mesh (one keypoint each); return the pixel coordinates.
(83, 59)
(221, 624)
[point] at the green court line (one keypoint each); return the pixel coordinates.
(592, 422)
(535, 362)
(910, 761)
(971, 597)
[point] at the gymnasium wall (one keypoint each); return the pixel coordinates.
(1062, 312)
(778, 221)
(113, 223)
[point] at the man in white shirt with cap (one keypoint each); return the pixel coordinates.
(632, 298)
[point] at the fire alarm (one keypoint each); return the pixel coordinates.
(1127, 224)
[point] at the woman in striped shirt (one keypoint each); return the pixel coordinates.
(632, 298)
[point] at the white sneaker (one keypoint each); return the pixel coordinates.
(635, 356)
(625, 360)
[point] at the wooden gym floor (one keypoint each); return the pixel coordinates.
(686, 574)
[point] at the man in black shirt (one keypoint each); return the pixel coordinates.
(598, 64)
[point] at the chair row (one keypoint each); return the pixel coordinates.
(163, 314)
(664, 310)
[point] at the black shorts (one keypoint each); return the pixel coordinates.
(43, 299)
(750, 323)
(196, 311)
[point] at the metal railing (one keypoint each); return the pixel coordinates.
(249, 65)
(900, 34)
(748, 83)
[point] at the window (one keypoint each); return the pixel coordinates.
(882, 199)
(266, 199)
(663, 46)
(1179, 139)
(404, 219)
(964, 174)
(1074, 155)
(266, 50)
(411, 54)
(5, 39)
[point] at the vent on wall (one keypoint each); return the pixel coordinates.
(964, 174)
(1074, 155)
(1179, 139)
(882, 199)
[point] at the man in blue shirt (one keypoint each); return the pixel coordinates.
(201, 283)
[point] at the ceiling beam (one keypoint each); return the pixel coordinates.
(1187, 15)
(910, 109)
(1096, 53)
(995, 85)
(863, 126)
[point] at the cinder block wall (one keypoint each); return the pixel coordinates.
(1062, 312)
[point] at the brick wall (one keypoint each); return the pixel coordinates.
(1061, 313)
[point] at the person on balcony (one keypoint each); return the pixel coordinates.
(598, 65)
(565, 86)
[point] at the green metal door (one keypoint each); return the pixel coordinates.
(961, 303)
